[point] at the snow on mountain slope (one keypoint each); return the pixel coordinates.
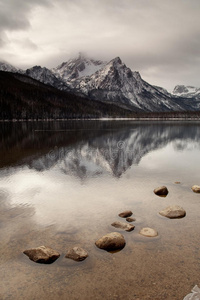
(77, 68)
(112, 82)
(9, 68)
(186, 91)
(46, 76)
(116, 83)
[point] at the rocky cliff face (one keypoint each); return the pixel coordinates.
(115, 83)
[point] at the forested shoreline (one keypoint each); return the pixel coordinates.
(23, 98)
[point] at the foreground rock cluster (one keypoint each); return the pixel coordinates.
(116, 241)
(111, 241)
(46, 255)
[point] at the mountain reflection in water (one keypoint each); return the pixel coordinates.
(87, 149)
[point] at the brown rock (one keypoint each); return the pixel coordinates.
(77, 254)
(196, 188)
(161, 191)
(129, 219)
(111, 241)
(125, 214)
(173, 212)
(149, 232)
(177, 182)
(42, 254)
(124, 226)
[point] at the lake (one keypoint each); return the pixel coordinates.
(62, 184)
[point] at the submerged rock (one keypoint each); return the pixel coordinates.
(77, 254)
(124, 226)
(111, 241)
(196, 188)
(125, 214)
(173, 212)
(129, 219)
(149, 232)
(161, 191)
(177, 182)
(42, 254)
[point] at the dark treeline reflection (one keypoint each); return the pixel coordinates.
(88, 148)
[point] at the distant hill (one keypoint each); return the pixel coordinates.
(22, 97)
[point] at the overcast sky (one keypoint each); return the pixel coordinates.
(158, 38)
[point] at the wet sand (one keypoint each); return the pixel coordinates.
(165, 267)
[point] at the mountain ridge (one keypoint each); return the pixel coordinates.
(112, 83)
(186, 91)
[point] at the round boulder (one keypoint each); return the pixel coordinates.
(173, 212)
(125, 214)
(161, 191)
(149, 232)
(111, 241)
(77, 254)
(42, 255)
(124, 226)
(196, 188)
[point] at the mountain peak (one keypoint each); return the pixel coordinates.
(81, 55)
(117, 60)
(78, 67)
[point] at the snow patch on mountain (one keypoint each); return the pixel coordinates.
(186, 91)
(78, 68)
(112, 82)
(118, 84)
(6, 67)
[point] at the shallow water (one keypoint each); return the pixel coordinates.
(62, 185)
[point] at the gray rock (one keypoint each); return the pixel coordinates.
(111, 241)
(77, 254)
(124, 226)
(173, 212)
(149, 232)
(129, 219)
(161, 191)
(42, 254)
(125, 214)
(196, 188)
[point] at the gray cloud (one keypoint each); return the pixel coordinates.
(14, 15)
(161, 39)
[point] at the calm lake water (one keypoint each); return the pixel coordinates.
(62, 185)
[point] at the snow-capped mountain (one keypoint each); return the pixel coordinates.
(78, 68)
(186, 91)
(113, 82)
(46, 76)
(4, 66)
